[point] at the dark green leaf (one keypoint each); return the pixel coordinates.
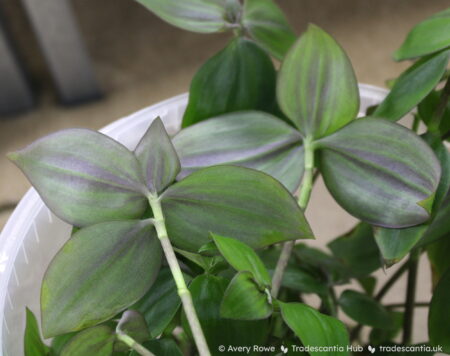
(204, 16)
(357, 250)
(33, 344)
(385, 334)
(368, 284)
(365, 310)
(133, 324)
(315, 329)
(266, 23)
(244, 300)
(438, 253)
(95, 341)
(231, 201)
(430, 35)
(84, 177)
(59, 342)
(252, 139)
(303, 281)
(207, 294)
(427, 109)
(161, 347)
(158, 158)
(240, 77)
(242, 258)
(380, 172)
(205, 262)
(439, 227)
(99, 272)
(394, 244)
(412, 86)
(438, 317)
(317, 88)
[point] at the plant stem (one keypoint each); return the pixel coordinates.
(410, 297)
(133, 344)
(402, 305)
(183, 291)
(304, 196)
(435, 121)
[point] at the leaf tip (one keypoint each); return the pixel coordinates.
(427, 203)
(13, 156)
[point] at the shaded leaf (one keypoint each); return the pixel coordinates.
(95, 341)
(317, 88)
(231, 201)
(59, 342)
(368, 284)
(240, 77)
(364, 309)
(380, 172)
(412, 86)
(205, 262)
(161, 347)
(438, 253)
(430, 35)
(303, 281)
(84, 177)
(384, 335)
(133, 324)
(242, 258)
(252, 139)
(267, 24)
(315, 329)
(427, 108)
(244, 300)
(157, 156)
(438, 317)
(99, 272)
(33, 344)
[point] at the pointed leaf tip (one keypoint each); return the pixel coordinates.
(13, 156)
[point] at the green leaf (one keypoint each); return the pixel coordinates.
(244, 300)
(161, 303)
(84, 177)
(315, 329)
(231, 201)
(427, 108)
(161, 347)
(158, 158)
(438, 317)
(252, 139)
(380, 172)
(95, 341)
(267, 24)
(204, 16)
(384, 335)
(59, 342)
(242, 258)
(364, 309)
(438, 253)
(205, 262)
(413, 86)
(357, 250)
(430, 35)
(99, 272)
(304, 282)
(368, 284)
(133, 324)
(240, 77)
(394, 244)
(317, 88)
(207, 293)
(33, 344)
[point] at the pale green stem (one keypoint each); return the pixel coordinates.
(303, 199)
(174, 266)
(133, 344)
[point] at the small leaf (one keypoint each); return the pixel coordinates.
(315, 329)
(161, 347)
(357, 250)
(157, 157)
(380, 172)
(427, 108)
(304, 282)
(33, 344)
(413, 86)
(95, 341)
(99, 272)
(364, 309)
(243, 300)
(242, 258)
(385, 334)
(204, 262)
(368, 284)
(438, 253)
(250, 138)
(317, 88)
(438, 317)
(267, 24)
(133, 324)
(204, 16)
(161, 303)
(394, 244)
(240, 77)
(430, 35)
(84, 177)
(231, 201)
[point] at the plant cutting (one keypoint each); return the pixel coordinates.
(190, 244)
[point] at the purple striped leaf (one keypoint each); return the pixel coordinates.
(380, 172)
(158, 158)
(84, 177)
(249, 138)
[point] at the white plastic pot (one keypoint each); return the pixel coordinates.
(33, 235)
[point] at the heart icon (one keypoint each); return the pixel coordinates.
(284, 349)
(371, 349)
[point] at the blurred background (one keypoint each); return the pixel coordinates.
(86, 63)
